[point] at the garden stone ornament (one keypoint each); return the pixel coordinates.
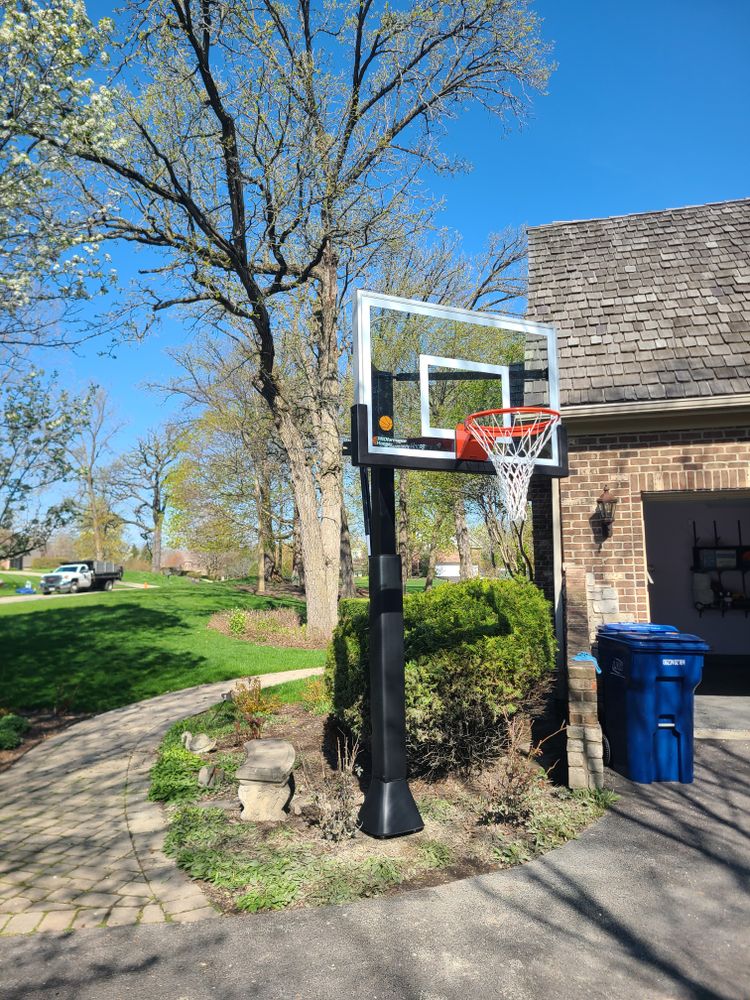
(264, 781)
(200, 743)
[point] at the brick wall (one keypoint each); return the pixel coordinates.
(606, 579)
(632, 464)
(540, 495)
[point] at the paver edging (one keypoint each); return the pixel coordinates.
(137, 883)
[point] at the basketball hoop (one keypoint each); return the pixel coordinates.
(512, 439)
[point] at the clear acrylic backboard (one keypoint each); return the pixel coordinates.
(420, 369)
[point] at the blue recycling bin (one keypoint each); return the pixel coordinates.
(649, 676)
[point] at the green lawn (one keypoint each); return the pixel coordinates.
(11, 581)
(414, 584)
(100, 651)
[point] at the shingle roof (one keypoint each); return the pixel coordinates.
(651, 306)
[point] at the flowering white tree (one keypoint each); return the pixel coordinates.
(50, 258)
(36, 424)
(271, 153)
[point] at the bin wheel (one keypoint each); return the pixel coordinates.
(606, 751)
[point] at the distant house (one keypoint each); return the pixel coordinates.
(22, 562)
(448, 566)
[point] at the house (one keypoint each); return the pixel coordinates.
(653, 318)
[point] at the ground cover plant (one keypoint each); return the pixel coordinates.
(97, 652)
(318, 856)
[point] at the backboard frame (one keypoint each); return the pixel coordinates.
(362, 450)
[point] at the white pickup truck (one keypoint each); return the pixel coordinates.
(87, 574)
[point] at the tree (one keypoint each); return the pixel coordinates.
(37, 424)
(50, 256)
(245, 441)
(272, 153)
(211, 501)
(142, 478)
(510, 545)
(109, 532)
(86, 452)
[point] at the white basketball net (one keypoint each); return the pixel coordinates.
(513, 455)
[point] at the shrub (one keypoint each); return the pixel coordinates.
(12, 730)
(475, 652)
(510, 789)
(336, 798)
(315, 697)
(236, 621)
(253, 704)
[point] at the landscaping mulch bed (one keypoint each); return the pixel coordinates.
(279, 627)
(257, 866)
(42, 726)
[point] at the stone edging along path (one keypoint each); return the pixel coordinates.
(80, 844)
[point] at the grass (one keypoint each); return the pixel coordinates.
(414, 585)
(101, 651)
(13, 580)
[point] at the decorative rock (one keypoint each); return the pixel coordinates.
(267, 760)
(263, 802)
(210, 776)
(200, 743)
(264, 786)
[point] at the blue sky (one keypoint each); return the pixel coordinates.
(646, 110)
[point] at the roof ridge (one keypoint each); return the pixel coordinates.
(631, 215)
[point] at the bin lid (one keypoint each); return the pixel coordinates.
(646, 628)
(664, 641)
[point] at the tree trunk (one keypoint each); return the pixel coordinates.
(261, 587)
(317, 484)
(156, 544)
(265, 525)
(95, 526)
(298, 565)
(319, 506)
(432, 551)
(431, 563)
(348, 587)
(403, 527)
(462, 538)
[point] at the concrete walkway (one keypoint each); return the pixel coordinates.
(651, 903)
(80, 845)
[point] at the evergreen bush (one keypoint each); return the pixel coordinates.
(475, 653)
(12, 730)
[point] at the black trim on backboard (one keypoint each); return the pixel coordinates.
(359, 448)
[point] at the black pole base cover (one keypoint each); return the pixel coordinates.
(389, 809)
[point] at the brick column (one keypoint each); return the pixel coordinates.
(585, 754)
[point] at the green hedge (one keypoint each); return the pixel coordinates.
(475, 651)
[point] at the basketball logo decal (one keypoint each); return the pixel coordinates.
(385, 423)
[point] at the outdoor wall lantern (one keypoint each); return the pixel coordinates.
(605, 507)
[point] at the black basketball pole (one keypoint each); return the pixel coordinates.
(389, 809)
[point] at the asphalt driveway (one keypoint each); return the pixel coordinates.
(652, 902)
